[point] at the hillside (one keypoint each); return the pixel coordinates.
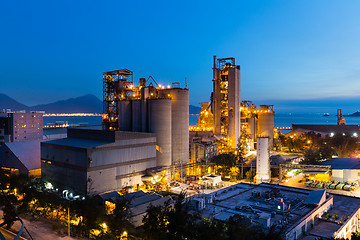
(7, 102)
(84, 104)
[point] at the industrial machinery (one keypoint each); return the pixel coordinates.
(225, 100)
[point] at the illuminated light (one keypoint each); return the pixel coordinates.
(104, 225)
(48, 185)
(168, 86)
(355, 134)
(308, 141)
(332, 134)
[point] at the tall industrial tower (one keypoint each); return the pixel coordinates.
(225, 99)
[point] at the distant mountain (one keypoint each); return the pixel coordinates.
(7, 102)
(84, 104)
(194, 109)
(355, 114)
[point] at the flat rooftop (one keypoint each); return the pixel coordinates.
(265, 199)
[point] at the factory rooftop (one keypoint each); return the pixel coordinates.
(301, 212)
(327, 129)
(343, 163)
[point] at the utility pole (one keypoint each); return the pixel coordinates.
(69, 222)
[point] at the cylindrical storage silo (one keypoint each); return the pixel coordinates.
(266, 123)
(263, 173)
(251, 123)
(136, 116)
(180, 123)
(159, 120)
(125, 114)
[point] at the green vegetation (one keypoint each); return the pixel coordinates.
(224, 166)
(317, 148)
(88, 218)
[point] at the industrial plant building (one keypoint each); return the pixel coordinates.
(330, 130)
(301, 213)
(145, 131)
(231, 121)
(20, 126)
(91, 161)
(149, 107)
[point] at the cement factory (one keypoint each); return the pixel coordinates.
(145, 138)
(145, 144)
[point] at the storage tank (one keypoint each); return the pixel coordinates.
(125, 113)
(139, 116)
(159, 122)
(251, 128)
(263, 173)
(266, 123)
(179, 123)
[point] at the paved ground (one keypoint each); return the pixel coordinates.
(40, 230)
(294, 182)
(8, 235)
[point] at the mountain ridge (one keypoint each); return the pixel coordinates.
(88, 103)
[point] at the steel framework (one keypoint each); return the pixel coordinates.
(117, 85)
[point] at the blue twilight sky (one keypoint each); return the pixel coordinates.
(52, 50)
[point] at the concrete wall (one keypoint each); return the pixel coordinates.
(112, 164)
(99, 169)
(64, 167)
(346, 175)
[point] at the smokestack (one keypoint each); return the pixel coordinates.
(214, 61)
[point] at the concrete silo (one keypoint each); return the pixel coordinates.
(266, 123)
(180, 123)
(159, 122)
(125, 112)
(263, 173)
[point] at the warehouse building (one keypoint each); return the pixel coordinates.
(91, 161)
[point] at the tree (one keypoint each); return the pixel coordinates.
(156, 222)
(250, 175)
(344, 145)
(118, 221)
(9, 210)
(224, 162)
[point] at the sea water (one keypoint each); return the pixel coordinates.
(281, 119)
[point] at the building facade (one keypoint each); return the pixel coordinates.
(89, 162)
(21, 126)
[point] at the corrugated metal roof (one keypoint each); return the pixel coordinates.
(326, 129)
(343, 163)
(78, 142)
